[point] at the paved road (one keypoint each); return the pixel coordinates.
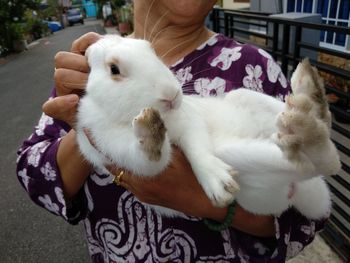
(27, 232)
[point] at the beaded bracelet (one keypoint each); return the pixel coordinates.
(218, 226)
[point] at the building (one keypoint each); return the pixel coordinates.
(333, 12)
(89, 7)
(236, 4)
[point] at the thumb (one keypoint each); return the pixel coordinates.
(62, 108)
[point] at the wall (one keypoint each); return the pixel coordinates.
(90, 8)
(230, 4)
(267, 6)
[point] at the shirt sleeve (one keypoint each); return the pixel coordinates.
(38, 172)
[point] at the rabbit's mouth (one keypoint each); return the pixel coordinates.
(172, 104)
(168, 105)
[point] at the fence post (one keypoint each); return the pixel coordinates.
(296, 53)
(285, 48)
(275, 40)
(226, 24)
(232, 31)
(216, 22)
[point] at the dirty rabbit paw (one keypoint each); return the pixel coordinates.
(150, 130)
(300, 134)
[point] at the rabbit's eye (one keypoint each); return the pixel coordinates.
(114, 69)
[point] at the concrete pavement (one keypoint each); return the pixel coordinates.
(28, 233)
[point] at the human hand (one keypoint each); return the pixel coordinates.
(176, 188)
(71, 74)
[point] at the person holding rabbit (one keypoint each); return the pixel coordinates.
(119, 227)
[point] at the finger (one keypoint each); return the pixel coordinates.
(127, 181)
(123, 180)
(126, 186)
(80, 45)
(126, 177)
(69, 81)
(68, 60)
(62, 108)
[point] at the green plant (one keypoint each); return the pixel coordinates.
(125, 14)
(16, 31)
(51, 10)
(3, 50)
(117, 3)
(11, 17)
(36, 28)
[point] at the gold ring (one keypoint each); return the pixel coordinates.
(118, 178)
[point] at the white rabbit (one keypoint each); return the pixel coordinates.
(245, 146)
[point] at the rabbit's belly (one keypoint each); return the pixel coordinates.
(242, 113)
(241, 122)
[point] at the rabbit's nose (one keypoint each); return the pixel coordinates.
(172, 102)
(168, 104)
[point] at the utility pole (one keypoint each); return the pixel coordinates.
(60, 12)
(62, 5)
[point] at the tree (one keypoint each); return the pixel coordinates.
(16, 8)
(51, 9)
(11, 14)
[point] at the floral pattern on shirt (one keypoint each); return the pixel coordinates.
(24, 178)
(252, 80)
(211, 42)
(226, 57)
(48, 204)
(36, 151)
(206, 87)
(274, 71)
(43, 122)
(184, 75)
(48, 172)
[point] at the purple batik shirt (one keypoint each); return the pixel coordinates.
(119, 228)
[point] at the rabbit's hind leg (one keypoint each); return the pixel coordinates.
(304, 138)
(295, 129)
(302, 129)
(307, 81)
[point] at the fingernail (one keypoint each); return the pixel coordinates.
(72, 99)
(87, 131)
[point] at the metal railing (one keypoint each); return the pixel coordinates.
(274, 35)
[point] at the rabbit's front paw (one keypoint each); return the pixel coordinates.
(150, 130)
(217, 180)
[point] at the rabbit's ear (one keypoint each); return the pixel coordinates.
(95, 55)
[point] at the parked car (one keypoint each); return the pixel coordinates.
(53, 25)
(75, 16)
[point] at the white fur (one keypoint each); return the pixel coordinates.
(312, 198)
(219, 136)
